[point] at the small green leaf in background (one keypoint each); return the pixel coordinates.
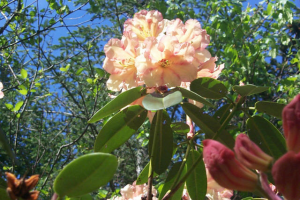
(120, 128)
(266, 136)
(208, 124)
(3, 194)
(24, 74)
(84, 197)
(270, 108)
(102, 193)
(85, 174)
(209, 88)
(194, 96)
(170, 180)
(196, 182)
(269, 8)
(79, 71)
(180, 128)
(89, 80)
(23, 92)
(119, 102)
(100, 72)
(155, 101)
(160, 142)
(9, 106)
(247, 90)
(143, 177)
(18, 106)
(64, 69)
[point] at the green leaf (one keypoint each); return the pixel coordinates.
(170, 180)
(156, 101)
(160, 142)
(89, 80)
(143, 177)
(180, 128)
(119, 102)
(209, 88)
(79, 71)
(18, 106)
(208, 124)
(196, 182)
(222, 113)
(23, 92)
(194, 96)
(266, 136)
(3, 194)
(24, 74)
(84, 197)
(270, 108)
(85, 174)
(100, 72)
(247, 90)
(120, 128)
(269, 8)
(102, 193)
(9, 106)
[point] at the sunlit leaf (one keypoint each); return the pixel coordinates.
(24, 74)
(143, 177)
(120, 128)
(155, 101)
(160, 142)
(270, 108)
(266, 136)
(119, 102)
(209, 88)
(247, 90)
(85, 174)
(180, 128)
(196, 182)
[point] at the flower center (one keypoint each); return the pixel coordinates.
(164, 63)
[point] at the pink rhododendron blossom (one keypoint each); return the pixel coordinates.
(291, 124)
(145, 24)
(135, 192)
(286, 175)
(1, 93)
(226, 169)
(249, 154)
(120, 63)
(166, 62)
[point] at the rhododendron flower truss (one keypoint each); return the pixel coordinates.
(166, 62)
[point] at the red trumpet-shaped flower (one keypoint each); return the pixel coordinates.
(249, 154)
(286, 175)
(291, 124)
(226, 169)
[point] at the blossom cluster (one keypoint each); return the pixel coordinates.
(233, 169)
(158, 52)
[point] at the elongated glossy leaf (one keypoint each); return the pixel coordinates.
(222, 113)
(208, 124)
(270, 108)
(170, 180)
(209, 88)
(196, 182)
(3, 194)
(266, 136)
(180, 128)
(192, 95)
(143, 177)
(119, 102)
(247, 90)
(120, 128)
(151, 102)
(85, 174)
(160, 142)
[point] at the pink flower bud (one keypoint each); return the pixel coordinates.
(286, 175)
(291, 124)
(226, 169)
(249, 154)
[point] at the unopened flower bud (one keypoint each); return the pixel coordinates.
(286, 175)
(291, 124)
(226, 169)
(249, 154)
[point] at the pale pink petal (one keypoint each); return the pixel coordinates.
(201, 56)
(1, 86)
(1, 95)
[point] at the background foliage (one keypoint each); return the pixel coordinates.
(51, 56)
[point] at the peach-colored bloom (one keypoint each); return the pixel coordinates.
(145, 24)
(286, 175)
(120, 63)
(166, 62)
(226, 169)
(249, 154)
(1, 93)
(291, 124)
